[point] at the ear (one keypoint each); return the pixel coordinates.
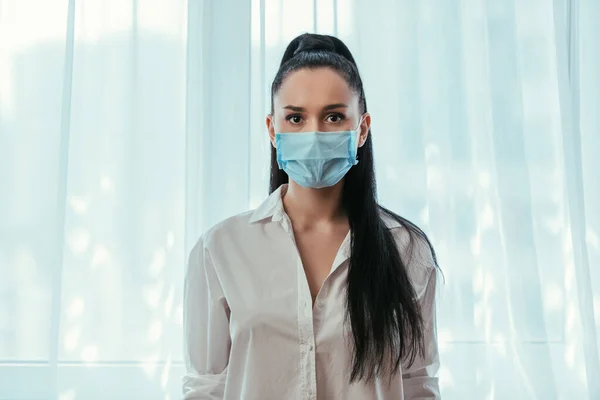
(364, 129)
(271, 129)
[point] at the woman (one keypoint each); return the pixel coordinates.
(319, 293)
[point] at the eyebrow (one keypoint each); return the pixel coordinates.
(326, 108)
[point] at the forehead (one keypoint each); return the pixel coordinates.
(314, 87)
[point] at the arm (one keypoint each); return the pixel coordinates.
(420, 380)
(206, 329)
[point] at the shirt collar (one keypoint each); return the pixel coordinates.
(272, 207)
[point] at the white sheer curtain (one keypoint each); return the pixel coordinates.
(127, 127)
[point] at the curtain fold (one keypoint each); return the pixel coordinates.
(573, 140)
(128, 127)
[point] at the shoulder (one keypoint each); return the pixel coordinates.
(224, 230)
(214, 243)
(415, 250)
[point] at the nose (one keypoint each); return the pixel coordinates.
(313, 125)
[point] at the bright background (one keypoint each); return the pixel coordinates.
(127, 127)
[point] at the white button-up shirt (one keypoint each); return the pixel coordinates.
(251, 332)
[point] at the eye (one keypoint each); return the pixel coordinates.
(294, 119)
(335, 118)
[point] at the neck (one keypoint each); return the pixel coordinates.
(307, 207)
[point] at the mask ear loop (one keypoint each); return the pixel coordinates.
(358, 134)
(360, 121)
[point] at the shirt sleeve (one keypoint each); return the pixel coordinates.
(207, 340)
(420, 379)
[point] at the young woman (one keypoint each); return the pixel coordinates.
(319, 293)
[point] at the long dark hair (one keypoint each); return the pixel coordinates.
(381, 304)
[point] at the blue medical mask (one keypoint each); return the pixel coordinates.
(317, 159)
